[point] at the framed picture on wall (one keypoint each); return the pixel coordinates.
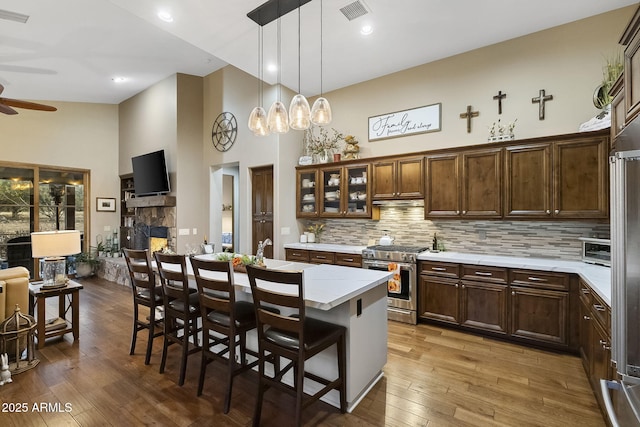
(104, 204)
(407, 122)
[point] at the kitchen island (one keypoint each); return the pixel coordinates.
(351, 297)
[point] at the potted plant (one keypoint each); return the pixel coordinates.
(86, 264)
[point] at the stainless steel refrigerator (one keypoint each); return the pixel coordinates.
(622, 397)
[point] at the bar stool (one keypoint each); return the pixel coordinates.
(181, 309)
(296, 338)
(146, 292)
(225, 321)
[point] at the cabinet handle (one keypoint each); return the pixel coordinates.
(464, 212)
(482, 273)
(321, 257)
(457, 285)
(605, 345)
(536, 279)
(457, 212)
(462, 286)
(548, 211)
(585, 317)
(599, 307)
(557, 211)
(348, 259)
(584, 291)
(513, 293)
(438, 269)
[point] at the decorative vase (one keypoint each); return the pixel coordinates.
(323, 157)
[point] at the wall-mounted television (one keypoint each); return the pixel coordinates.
(150, 174)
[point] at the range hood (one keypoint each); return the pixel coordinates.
(399, 203)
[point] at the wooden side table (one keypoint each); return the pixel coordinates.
(68, 298)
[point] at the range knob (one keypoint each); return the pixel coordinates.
(404, 257)
(388, 255)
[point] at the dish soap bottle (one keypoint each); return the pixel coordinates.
(434, 246)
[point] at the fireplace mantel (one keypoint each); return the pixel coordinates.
(151, 201)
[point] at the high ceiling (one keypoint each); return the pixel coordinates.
(72, 50)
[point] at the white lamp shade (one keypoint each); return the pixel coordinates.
(321, 112)
(278, 118)
(258, 122)
(55, 243)
(299, 113)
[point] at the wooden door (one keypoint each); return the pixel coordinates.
(581, 171)
(384, 179)
(443, 186)
(410, 178)
(438, 299)
(539, 315)
(262, 207)
(527, 191)
(482, 183)
(484, 306)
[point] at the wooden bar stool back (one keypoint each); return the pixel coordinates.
(293, 336)
(225, 321)
(181, 309)
(146, 292)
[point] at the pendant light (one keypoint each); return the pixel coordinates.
(278, 119)
(321, 110)
(299, 112)
(258, 117)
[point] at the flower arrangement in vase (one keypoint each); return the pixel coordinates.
(322, 144)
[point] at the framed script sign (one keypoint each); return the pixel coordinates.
(407, 122)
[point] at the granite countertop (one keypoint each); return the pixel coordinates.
(598, 277)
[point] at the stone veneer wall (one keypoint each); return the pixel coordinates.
(159, 217)
(539, 239)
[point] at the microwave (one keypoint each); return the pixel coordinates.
(596, 251)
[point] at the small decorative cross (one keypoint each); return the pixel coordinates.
(499, 98)
(541, 100)
(469, 115)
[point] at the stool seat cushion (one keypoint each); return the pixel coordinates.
(194, 303)
(244, 315)
(316, 333)
(146, 294)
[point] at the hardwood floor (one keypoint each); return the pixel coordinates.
(434, 377)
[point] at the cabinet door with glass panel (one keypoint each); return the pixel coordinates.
(345, 191)
(307, 193)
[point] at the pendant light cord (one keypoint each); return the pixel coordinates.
(320, 48)
(299, 46)
(279, 58)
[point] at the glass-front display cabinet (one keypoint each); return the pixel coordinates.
(345, 191)
(306, 193)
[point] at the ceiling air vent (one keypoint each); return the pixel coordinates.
(354, 10)
(13, 16)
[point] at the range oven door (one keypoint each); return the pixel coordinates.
(401, 289)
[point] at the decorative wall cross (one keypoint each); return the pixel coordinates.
(469, 115)
(541, 100)
(499, 98)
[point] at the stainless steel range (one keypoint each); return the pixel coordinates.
(403, 286)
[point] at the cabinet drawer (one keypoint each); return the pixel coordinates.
(484, 274)
(349, 260)
(600, 311)
(297, 255)
(540, 279)
(442, 269)
(584, 291)
(317, 257)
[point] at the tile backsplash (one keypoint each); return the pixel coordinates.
(539, 239)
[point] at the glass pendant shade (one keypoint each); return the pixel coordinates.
(258, 122)
(278, 119)
(299, 113)
(321, 112)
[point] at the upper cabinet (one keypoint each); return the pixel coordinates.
(398, 179)
(307, 193)
(466, 184)
(631, 40)
(344, 191)
(561, 179)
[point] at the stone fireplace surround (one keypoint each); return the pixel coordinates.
(159, 222)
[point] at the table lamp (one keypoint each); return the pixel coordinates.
(53, 246)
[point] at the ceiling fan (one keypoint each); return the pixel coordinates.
(7, 103)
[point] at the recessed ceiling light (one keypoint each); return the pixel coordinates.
(118, 79)
(366, 30)
(165, 16)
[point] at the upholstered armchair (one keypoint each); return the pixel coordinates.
(14, 289)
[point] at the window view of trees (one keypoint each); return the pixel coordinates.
(56, 203)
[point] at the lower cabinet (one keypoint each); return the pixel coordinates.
(323, 257)
(595, 338)
(521, 305)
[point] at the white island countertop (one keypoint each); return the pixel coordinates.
(325, 286)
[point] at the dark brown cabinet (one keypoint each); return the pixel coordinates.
(631, 40)
(323, 257)
(439, 292)
(344, 191)
(483, 298)
(398, 179)
(561, 179)
(307, 193)
(127, 214)
(466, 184)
